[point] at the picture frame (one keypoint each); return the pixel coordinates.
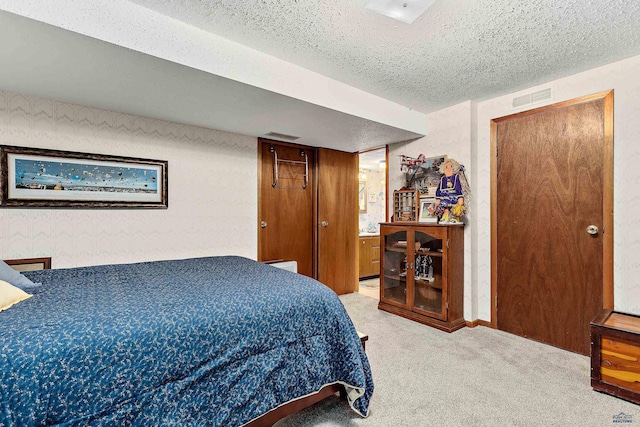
(362, 196)
(425, 216)
(34, 177)
(422, 173)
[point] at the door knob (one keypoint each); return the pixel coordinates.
(325, 223)
(263, 224)
(592, 229)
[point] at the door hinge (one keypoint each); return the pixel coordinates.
(447, 243)
(447, 305)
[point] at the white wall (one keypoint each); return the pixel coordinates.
(135, 27)
(623, 77)
(463, 133)
(212, 188)
(450, 133)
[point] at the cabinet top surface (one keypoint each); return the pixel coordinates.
(421, 224)
(623, 322)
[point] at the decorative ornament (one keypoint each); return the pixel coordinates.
(453, 194)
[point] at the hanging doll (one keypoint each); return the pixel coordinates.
(452, 193)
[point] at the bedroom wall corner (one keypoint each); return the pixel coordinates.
(450, 133)
(212, 188)
(622, 77)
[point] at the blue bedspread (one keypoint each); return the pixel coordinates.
(209, 341)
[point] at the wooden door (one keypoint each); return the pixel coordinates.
(553, 180)
(286, 210)
(337, 220)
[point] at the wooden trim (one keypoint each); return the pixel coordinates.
(485, 323)
(287, 409)
(478, 322)
(471, 324)
(567, 103)
(607, 266)
(259, 189)
(386, 183)
(494, 223)
(316, 220)
(45, 261)
(607, 263)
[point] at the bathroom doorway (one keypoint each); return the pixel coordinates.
(373, 209)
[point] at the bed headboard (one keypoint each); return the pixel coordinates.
(30, 264)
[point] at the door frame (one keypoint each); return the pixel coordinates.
(386, 175)
(607, 202)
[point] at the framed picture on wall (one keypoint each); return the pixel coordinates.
(423, 173)
(33, 177)
(362, 196)
(425, 216)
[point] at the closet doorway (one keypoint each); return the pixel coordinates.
(373, 208)
(552, 220)
(306, 211)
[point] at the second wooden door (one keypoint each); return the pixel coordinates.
(338, 220)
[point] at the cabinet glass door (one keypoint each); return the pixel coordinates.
(394, 279)
(428, 273)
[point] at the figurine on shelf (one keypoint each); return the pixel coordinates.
(452, 193)
(403, 273)
(427, 268)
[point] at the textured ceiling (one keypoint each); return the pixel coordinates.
(458, 50)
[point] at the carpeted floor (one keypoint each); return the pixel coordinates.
(472, 377)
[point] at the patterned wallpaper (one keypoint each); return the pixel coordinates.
(375, 204)
(212, 188)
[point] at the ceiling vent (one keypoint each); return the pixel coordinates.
(281, 136)
(531, 98)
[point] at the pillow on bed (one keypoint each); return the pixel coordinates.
(14, 277)
(10, 295)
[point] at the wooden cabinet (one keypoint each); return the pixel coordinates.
(615, 355)
(369, 256)
(422, 273)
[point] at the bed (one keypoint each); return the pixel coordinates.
(218, 341)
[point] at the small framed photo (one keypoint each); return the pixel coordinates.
(425, 216)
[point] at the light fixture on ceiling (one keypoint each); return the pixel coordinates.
(406, 11)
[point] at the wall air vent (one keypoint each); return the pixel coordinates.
(281, 136)
(531, 98)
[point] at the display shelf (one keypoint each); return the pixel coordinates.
(421, 250)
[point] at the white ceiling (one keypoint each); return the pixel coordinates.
(458, 50)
